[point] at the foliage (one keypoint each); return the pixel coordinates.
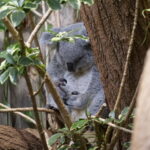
(14, 62)
(65, 36)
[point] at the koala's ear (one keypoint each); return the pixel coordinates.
(45, 38)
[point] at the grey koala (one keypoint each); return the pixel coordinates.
(74, 72)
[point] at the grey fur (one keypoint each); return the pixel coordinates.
(83, 89)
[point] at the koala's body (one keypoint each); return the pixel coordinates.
(74, 63)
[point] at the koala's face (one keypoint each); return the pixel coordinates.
(75, 57)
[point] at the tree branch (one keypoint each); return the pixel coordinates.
(10, 27)
(8, 109)
(19, 113)
(19, 37)
(37, 28)
(40, 15)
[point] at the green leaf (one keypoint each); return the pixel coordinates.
(9, 58)
(81, 37)
(2, 26)
(3, 54)
(3, 65)
(20, 2)
(25, 61)
(123, 113)
(4, 76)
(17, 17)
(112, 115)
(4, 11)
(30, 5)
(64, 147)
(75, 3)
(54, 4)
(54, 138)
(13, 75)
(93, 148)
(79, 124)
(145, 10)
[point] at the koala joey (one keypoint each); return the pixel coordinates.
(74, 72)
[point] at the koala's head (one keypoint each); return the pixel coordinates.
(74, 57)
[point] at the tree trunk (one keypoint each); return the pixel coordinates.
(109, 25)
(11, 138)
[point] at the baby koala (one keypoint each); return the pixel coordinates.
(74, 72)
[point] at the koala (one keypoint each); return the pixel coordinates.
(74, 72)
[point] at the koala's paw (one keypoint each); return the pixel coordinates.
(48, 106)
(61, 82)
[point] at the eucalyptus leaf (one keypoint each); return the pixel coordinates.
(54, 4)
(30, 5)
(17, 17)
(4, 11)
(3, 54)
(4, 76)
(20, 2)
(9, 58)
(3, 65)
(79, 124)
(13, 75)
(112, 115)
(75, 3)
(64, 147)
(25, 61)
(145, 10)
(54, 138)
(2, 26)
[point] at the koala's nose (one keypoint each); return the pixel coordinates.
(70, 67)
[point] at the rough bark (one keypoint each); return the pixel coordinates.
(109, 25)
(11, 138)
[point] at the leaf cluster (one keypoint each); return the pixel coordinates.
(14, 63)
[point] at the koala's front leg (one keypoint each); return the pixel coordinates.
(79, 101)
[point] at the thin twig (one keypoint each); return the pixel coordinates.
(40, 16)
(39, 90)
(19, 113)
(40, 109)
(35, 37)
(37, 28)
(44, 11)
(101, 120)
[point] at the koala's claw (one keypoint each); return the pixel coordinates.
(48, 106)
(61, 82)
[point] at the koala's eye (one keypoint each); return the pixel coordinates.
(87, 46)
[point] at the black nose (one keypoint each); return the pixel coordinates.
(70, 67)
